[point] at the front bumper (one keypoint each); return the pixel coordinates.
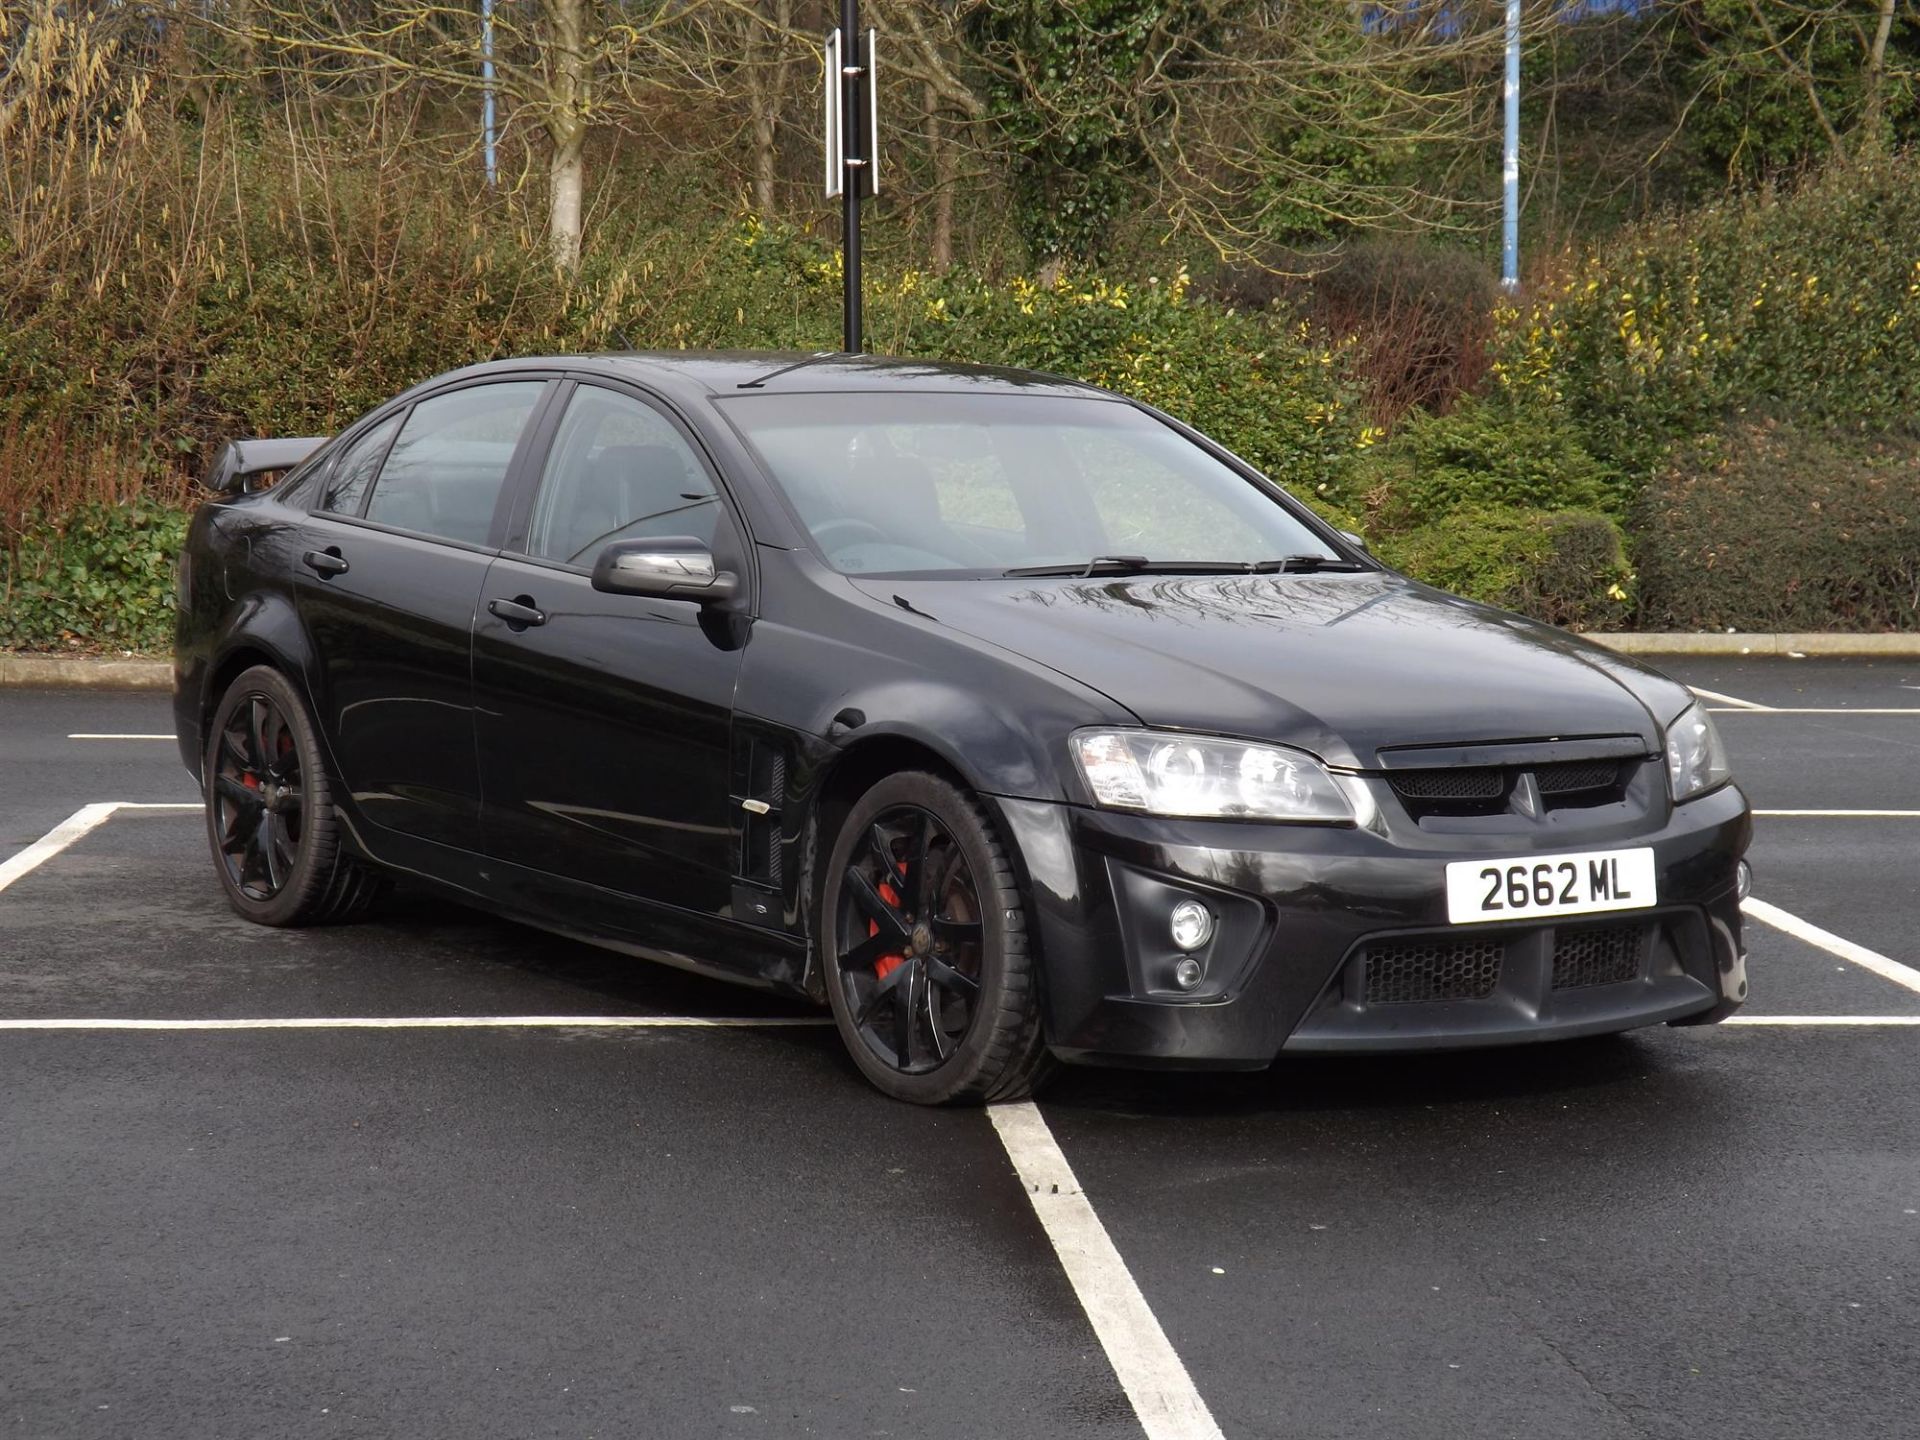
(1336, 939)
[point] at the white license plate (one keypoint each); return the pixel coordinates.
(1533, 886)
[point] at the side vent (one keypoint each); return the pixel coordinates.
(759, 866)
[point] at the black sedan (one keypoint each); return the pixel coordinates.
(1013, 720)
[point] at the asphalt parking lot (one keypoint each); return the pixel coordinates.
(654, 1225)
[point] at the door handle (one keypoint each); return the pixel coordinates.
(518, 613)
(325, 563)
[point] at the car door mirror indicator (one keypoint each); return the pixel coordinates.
(671, 568)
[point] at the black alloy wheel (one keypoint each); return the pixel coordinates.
(931, 983)
(258, 798)
(270, 821)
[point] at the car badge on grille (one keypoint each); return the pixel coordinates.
(1526, 795)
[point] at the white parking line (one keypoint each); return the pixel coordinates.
(82, 822)
(1904, 975)
(439, 1022)
(1149, 1370)
(1733, 700)
(1842, 814)
(86, 736)
(1814, 710)
(1818, 1020)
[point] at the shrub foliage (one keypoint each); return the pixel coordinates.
(1567, 567)
(100, 577)
(1770, 528)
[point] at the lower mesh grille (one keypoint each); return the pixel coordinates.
(1409, 971)
(1598, 955)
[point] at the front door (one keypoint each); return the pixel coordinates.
(387, 577)
(604, 722)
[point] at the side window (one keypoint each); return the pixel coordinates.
(346, 487)
(618, 470)
(446, 469)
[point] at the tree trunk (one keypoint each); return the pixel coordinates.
(940, 148)
(766, 88)
(566, 175)
(1872, 123)
(567, 68)
(761, 101)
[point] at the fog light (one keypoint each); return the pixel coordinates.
(1187, 972)
(1192, 927)
(1743, 880)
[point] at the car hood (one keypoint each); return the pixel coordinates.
(1339, 665)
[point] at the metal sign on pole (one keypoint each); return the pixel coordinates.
(1510, 160)
(486, 79)
(852, 148)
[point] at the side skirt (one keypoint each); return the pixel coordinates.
(714, 946)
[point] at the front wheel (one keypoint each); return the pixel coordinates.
(929, 974)
(270, 820)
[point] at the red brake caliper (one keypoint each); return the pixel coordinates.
(887, 964)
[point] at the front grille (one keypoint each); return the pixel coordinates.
(1408, 971)
(1463, 783)
(1462, 790)
(1574, 776)
(1598, 955)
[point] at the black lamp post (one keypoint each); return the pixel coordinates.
(852, 151)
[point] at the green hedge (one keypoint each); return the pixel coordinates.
(1771, 528)
(100, 578)
(1801, 305)
(1565, 567)
(1483, 454)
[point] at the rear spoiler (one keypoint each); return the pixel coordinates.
(240, 461)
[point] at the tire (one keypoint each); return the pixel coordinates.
(921, 925)
(276, 841)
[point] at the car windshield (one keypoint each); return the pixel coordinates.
(903, 483)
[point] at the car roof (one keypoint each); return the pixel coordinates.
(720, 372)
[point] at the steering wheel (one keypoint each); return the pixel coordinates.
(832, 535)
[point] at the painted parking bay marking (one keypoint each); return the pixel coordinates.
(439, 1022)
(1144, 1360)
(75, 827)
(1815, 710)
(1881, 965)
(1734, 700)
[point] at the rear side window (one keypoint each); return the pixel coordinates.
(618, 470)
(346, 485)
(444, 473)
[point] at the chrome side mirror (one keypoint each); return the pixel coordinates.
(1358, 542)
(674, 567)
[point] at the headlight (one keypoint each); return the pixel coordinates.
(1188, 775)
(1696, 760)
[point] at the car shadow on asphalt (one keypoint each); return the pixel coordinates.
(1367, 1082)
(615, 983)
(413, 921)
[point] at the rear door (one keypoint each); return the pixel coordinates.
(604, 725)
(387, 578)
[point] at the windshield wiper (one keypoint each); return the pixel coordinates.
(1302, 565)
(1133, 565)
(1141, 565)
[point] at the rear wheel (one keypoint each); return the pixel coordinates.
(930, 979)
(270, 822)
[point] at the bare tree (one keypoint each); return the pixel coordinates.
(566, 67)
